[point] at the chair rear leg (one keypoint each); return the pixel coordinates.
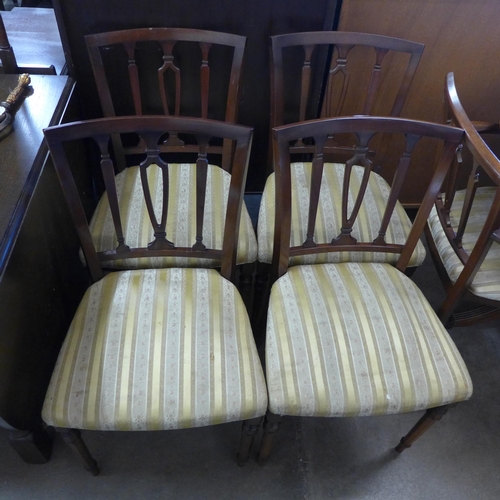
(430, 417)
(74, 439)
(271, 426)
(248, 431)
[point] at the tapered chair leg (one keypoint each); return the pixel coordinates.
(74, 439)
(271, 426)
(431, 416)
(248, 431)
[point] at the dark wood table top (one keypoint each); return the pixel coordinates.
(34, 36)
(22, 152)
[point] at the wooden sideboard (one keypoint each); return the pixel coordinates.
(41, 277)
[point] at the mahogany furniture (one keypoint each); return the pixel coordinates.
(356, 338)
(153, 349)
(33, 38)
(464, 227)
(256, 20)
(41, 278)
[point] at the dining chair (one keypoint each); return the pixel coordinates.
(172, 72)
(351, 338)
(369, 75)
(463, 230)
(156, 349)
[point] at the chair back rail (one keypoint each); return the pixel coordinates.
(172, 53)
(151, 130)
(364, 129)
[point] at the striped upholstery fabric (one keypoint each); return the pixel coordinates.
(328, 227)
(181, 222)
(357, 339)
(486, 283)
(157, 349)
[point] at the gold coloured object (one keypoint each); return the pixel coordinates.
(7, 105)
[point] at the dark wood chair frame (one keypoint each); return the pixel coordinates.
(364, 128)
(151, 129)
(167, 38)
(344, 42)
(485, 170)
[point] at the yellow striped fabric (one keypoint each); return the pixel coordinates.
(486, 283)
(157, 349)
(328, 221)
(357, 339)
(181, 222)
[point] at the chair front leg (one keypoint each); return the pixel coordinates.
(430, 417)
(248, 431)
(271, 426)
(73, 438)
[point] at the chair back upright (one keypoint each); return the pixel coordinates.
(153, 131)
(169, 71)
(358, 169)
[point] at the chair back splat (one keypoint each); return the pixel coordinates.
(356, 175)
(464, 227)
(170, 71)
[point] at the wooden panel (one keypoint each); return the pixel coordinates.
(460, 36)
(257, 20)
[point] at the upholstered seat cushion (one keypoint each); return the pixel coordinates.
(157, 349)
(486, 283)
(328, 221)
(181, 221)
(357, 339)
